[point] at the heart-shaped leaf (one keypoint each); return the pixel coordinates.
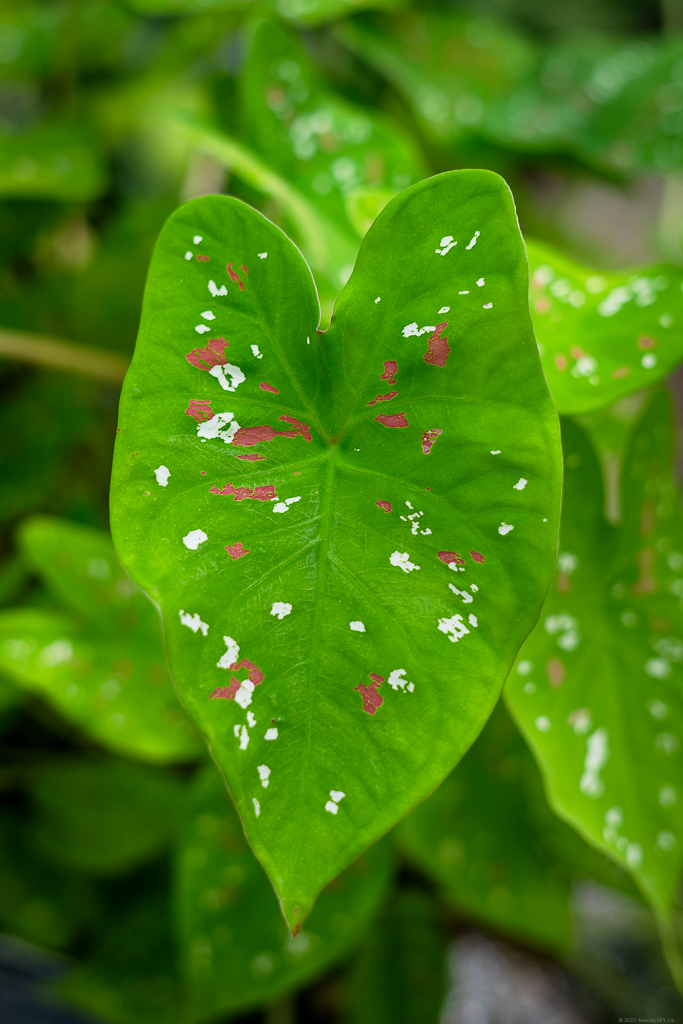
(597, 686)
(102, 665)
(236, 951)
(335, 526)
(603, 336)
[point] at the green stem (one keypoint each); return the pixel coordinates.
(62, 355)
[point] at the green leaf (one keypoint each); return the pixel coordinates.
(483, 837)
(302, 573)
(104, 667)
(53, 161)
(236, 950)
(603, 335)
(101, 817)
(329, 149)
(596, 688)
(398, 975)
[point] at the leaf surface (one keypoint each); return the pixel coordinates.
(602, 335)
(101, 661)
(236, 951)
(597, 686)
(333, 544)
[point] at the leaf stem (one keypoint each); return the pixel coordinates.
(58, 354)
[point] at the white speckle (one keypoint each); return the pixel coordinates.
(337, 795)
(202, 329)
(649, 361)
(666, 320)
(357, 626)
(197, 239)
(257, 806)
(397, 680)
(236, 730)
(467, 598)
(402, 560)
(530, 687)
(188, 255)
(331, 807)
(222, 424)
(543, 723)
(410, 687)
(668, 796)
(271, 734)
(597, 756)
(244, 738)
(525, 668)
(447, 244)
(487, 305)
(666, 841)
(614, 817)
(283, 506)
(231, 655)
(243, 695)
(581, 721)
(162, 474)
(413, 331)
(472, 619)
(634, 855)
(193, 622)
(409, 506)
(667, 743)
(308, 341)
(262, 255)
(521, 484)
(56, 653)
(454, 627)
(567, 627)
(567, 563)
(444, 309)
(194, 538)
(215, 290)
(208, 315)
(504, 528)
(255, 350)
(464, 293)
(474, 241)
(481, 282)
(657, 668)
(496, 451)
(658, 709)
(251, 721)
(264, 775)
(228, 376)
(281, 608)
(378, 299)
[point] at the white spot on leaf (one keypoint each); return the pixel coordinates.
(162, 474)
(597, 756)
(193, 622)
(215, 290)
(402, 560)
(228, 376)
(194, 538)
(257, 806)
(521, 484)
(454, 627)
(280, 608)
(474, 241)
(357, 626)
(202, 329)
(207, 315)
(231, 655)
(264, 775)
(255, 350)
(543, 723)
(271, 734)
(504, 528)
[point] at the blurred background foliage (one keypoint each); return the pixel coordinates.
(120, 853)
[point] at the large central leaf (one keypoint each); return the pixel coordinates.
(349, 535)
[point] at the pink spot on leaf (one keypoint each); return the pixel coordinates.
(269, 387)
(202, 259)
(247, 436)
(235, 277)
(371, 698)
(265, 493)
(236, 550)
(390, 371)
(437, 347)
(386, 505)
(226, 692)
(428, 439)
(477, 557)
(252, 457)
(450, 557)
(199, 411)
(246, 272)
(384, 398)
(211, 355)
(397, 420)
(254, 672)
